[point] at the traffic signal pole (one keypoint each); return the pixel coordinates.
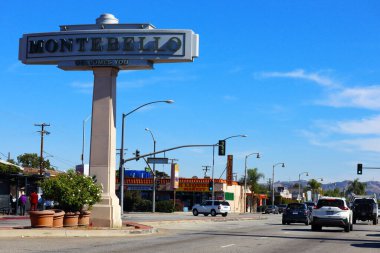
(360, 168)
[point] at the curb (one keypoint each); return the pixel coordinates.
(128, 229)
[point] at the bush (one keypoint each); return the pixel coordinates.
(165, 206)
(142, 205)
(72, 191)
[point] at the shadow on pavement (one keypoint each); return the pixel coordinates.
(367, 245)
(297, 237)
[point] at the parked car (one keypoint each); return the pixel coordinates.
(296, 213)
(271, 209)
(282, 207)
(365, 208)
(212, 207)
(331, 212)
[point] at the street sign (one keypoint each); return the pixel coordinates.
(158, 160)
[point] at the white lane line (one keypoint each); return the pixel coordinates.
(229, 245)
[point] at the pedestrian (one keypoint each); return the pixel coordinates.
(22, 202)
(33, 198)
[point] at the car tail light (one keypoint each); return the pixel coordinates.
(343, 208)
(316, 207)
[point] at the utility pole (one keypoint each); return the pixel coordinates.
(206, 168)
(43, 132)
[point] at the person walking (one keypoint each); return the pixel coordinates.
(33, 201)
(22, 202)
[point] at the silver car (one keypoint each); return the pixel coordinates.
(212, 207)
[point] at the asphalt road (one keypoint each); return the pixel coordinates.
(216, 236)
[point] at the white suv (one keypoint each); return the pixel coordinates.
(331, 212)
(212, 207)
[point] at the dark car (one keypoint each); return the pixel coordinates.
(271, 209)
(296, 213)
(282, 207)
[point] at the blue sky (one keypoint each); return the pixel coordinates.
(299, 78)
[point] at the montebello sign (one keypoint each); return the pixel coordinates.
(106, 48)
(127, 46)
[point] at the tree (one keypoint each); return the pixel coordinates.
(253, 177)
(314, 186)
(357, 187)
(332, 193)
(32, 160)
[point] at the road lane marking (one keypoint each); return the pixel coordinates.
(229, 245)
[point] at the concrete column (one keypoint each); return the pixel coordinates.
(107, 212)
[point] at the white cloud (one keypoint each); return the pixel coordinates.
(363, 126)
(360, 97)
(301, 74)
(229, 98)
(83, 87)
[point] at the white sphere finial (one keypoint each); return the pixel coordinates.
(107, 18)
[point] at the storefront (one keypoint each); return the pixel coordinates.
(190, 191)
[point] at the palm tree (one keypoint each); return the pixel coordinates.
(357, 187)
(253, 177)
(314, 186)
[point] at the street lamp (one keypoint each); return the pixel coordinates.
(245, 179)
(83, 139)
(213, 162)
(274, 165)
(121, 163)
(299, 185)
(154, 171)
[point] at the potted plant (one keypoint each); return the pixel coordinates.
(75, 194)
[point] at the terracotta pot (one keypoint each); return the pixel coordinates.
(58, 218)
(41, 219)
(84, 218)
(70, 219)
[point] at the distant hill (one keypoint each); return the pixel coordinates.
(372, 186)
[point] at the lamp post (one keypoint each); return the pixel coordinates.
(154, 172)
(245, 179)
(274, 165)
(83, 139)
(299, 185)
(213, 162)
(121, 162)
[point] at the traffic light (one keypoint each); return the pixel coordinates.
(210, 185)
(360, 168)
(222, 147)
(137, 154)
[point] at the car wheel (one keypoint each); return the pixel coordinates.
(288, 223)
(347, 228)
(213, 213)
(205, 214)
(224, 214)
(195, 212)
(316, 228)
(354, 221)
(283, 222)
(351, 227)
(307, 222)
(375, 221)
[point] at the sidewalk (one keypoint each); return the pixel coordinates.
(133, 224)
(19, 226)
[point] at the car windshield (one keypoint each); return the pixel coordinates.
(296, 206)
(330, 202)
(363, 201)
(225, 203)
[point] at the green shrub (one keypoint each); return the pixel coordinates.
(142, 205)
(72, 191)
(165, 206)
